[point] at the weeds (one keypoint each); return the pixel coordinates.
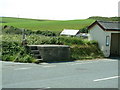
(12, 50)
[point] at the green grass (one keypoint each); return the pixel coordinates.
(52, 25)
(13, 19)
(80, 48)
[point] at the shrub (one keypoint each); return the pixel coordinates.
(13, 51)
(13, 30)
(48, 33)
(85, 52)
(71, 40)
(45, 33)
(84, 30)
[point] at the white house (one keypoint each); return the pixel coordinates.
(69, 32)
(107, 34)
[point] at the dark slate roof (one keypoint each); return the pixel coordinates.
(107, 25)
(110, 25)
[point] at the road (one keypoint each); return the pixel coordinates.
(101, 73)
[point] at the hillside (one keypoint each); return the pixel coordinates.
(105, 18)
(52, 25)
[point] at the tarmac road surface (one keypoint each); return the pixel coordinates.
(102, 73)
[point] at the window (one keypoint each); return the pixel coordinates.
(107, 40)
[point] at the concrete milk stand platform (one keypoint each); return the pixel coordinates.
(52, 52)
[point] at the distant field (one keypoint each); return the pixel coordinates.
(52, 25)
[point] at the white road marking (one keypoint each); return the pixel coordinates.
(8, 62)
(95, 61)
(76, 63)
(81, 63)
(106, 78)
(49, 66)
(21, 63)
(109, 60)
(44, 63)
(22, 68)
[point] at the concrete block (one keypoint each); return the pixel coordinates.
(53, 52)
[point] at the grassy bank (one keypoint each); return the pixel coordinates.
(14, 51)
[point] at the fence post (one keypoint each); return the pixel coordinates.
(24, 39)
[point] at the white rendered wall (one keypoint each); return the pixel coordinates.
(96, 33)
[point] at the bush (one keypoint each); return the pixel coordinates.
(45, 33)
(80, 48)
(71, 40)
(84, 30)
(13, 30)
(13, 51)
(85, 52)
(10, 48)
(105, 18)
(48, 33)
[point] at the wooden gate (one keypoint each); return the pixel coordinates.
(115, 44)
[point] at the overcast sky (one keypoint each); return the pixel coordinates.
(59, 9)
